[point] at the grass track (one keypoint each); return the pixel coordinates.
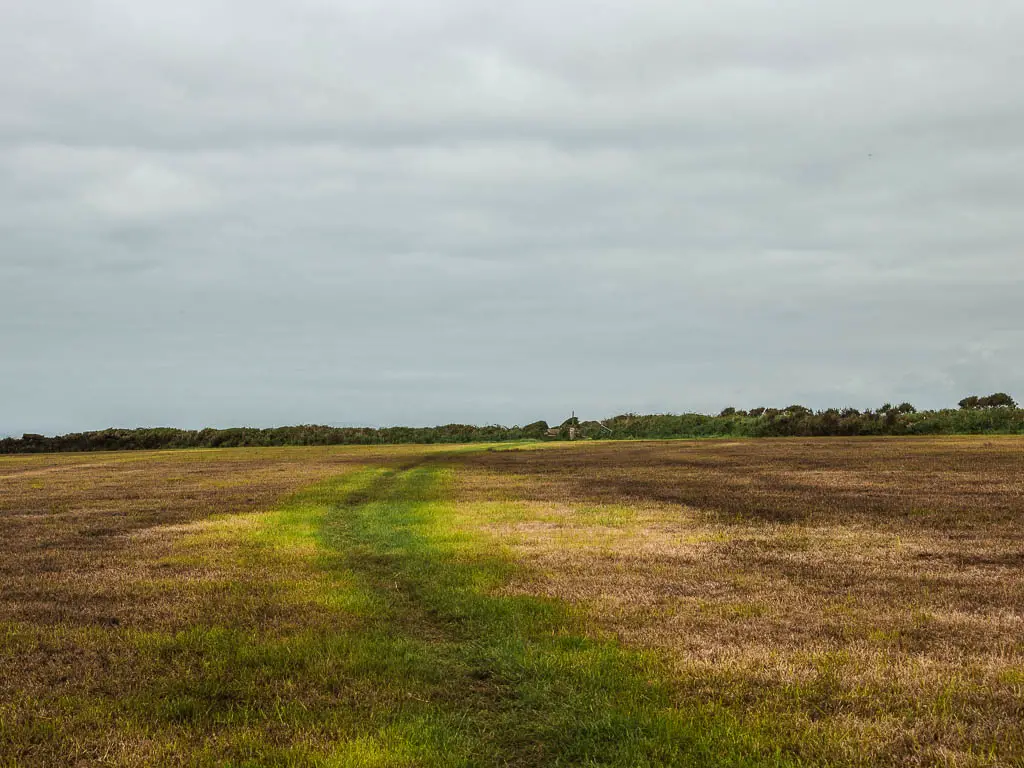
(413, 658)
(474, 678)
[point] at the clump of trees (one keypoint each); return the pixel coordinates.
(993, 414)
(997, 400)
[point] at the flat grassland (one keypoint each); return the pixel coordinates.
(832, 602)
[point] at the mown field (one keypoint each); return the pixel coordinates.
(832, 601)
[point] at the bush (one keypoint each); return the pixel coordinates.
(536, 430)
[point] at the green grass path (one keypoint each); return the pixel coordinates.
(369, 630)
(480, 678)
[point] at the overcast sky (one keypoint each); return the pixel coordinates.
(217, 212)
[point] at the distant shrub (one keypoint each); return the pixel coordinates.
(536, 430)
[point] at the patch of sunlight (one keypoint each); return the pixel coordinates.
(422, 741)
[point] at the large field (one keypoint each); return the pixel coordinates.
(774, 602)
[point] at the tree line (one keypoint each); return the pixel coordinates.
(993, 414)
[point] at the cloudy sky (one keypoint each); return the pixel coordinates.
(217, 212)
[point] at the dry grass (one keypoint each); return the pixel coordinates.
(862, 598)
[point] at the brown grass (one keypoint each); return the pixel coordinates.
(863, 598)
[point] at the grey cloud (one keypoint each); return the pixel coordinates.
(226, 212)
